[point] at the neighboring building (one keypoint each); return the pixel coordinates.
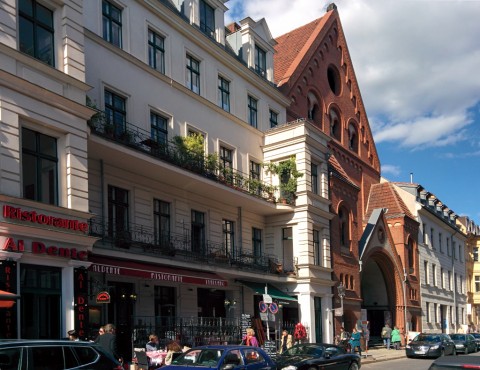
(472, 246)
(442, 261)
(43, 168)
(314, 69)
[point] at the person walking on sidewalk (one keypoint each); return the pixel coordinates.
(386, 335)
(396, 338)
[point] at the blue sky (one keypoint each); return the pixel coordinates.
(417, 63)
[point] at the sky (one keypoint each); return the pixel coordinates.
(417, 63)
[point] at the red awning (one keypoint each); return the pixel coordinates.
(7, 299)
(154, 272)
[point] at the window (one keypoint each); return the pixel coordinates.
(198, 232)
(158, 129)
(36, 31)
(112, 23)
(477, 283)
(448, 244)
(45, 357)
(39, 167)
(455, 283)
(118, 206)
(335, 129)
(229, 237)
(314, 179)
(434, 275)
(431, 238)
(450, 280)
(440, 242)
(252, 111)
(115, 113)
(427, 272)
(207, 19)
(317, 252)
(273, 118)
(165, 304)
(260, 61)
(255, 175)
(352, 138)
(344, 224)
(442, 277)
(156, 51)
(427, 311)
(224, 94)
(161, 222)
(193, 74)
(410, 251)
(257, 242)
(226, 163)
(435, 313)
(288, 257)
(425, 234)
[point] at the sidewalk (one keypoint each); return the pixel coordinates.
(378, 354)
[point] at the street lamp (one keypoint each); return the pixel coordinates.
(341, 295)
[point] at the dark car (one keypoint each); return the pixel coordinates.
(457, 362)
(430, 345)
(317, 355)
(477, 339)
(464, 343)
(222, 357)
(54, 355)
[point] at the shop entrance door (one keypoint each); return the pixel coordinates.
(41, 292)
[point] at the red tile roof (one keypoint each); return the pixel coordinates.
(384, 195)
(333, 162)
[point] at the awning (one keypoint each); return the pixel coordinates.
(7, 299)
(154, 272)
(259, 288)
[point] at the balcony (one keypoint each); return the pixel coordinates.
(182, 247)
(174, 153)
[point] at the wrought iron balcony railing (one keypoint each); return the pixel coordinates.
(183, 246)
(170, 151)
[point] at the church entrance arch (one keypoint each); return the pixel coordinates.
(379, 292)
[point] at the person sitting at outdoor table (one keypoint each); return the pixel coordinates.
(155, 357)
(172, 347)
(152, 344)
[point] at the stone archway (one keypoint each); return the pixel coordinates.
(380, 292)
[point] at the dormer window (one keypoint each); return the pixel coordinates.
(260, 61)
(207, 19)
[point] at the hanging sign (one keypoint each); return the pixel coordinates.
(103, 297)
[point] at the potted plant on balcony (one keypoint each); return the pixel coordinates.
(190, 151)
(288, 174)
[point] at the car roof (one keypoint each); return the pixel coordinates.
(26, 342)
(223, 346)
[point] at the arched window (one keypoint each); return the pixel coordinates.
(352, 137)
(344, 225)
(410, 256)
(313, 107)
(335, 126)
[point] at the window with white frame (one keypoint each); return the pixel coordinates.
(442, 277)
(273, 118)
(224, 93)
(161, 222)
(257, 242)
(317, 252)
(115, 112)
(226, 163)
(158, 130)
(427, 311)
(434, 275)
(229, 237)
(435, 313)
(112, 23)
(477, 283)
(252, 111)
(314, 177)
(207, 19)
(425, 234)
(254, 185)
(192, 71)
(156, 51)
(475, 254)
(36, 31)
(450, 280)
(448, 244)
(431, 238)
(427, 272)
(440, 242)
(260, 61)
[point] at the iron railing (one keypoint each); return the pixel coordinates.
(183, 247)
(170, 151)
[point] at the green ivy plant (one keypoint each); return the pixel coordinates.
(288, 174)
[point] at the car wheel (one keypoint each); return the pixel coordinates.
(466, 350)
(442, 353)
(454, 352)
(353, 366)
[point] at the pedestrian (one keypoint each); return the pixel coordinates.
(286, 341)
(73, 335)
(386, 335)
(108, 341)
(152, 344)
(396, 338)
(366, 336)
(172, 347)
(355, 341)
(249, 339)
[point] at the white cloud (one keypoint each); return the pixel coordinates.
(416, 61)
(391, 169)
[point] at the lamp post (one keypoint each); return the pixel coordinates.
(341, 295)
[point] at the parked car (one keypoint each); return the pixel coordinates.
(430, 345)
(54, 355)
(464, 343)
(223, 357)
(477, 339)
(314, 355)
(457, 362)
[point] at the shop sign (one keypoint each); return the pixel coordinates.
(80, 289)
(103, 297)
(28, 216)
(8, 316)
(10, 245)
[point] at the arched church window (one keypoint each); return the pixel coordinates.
(352, 137)
(335, 126)
(344, 224)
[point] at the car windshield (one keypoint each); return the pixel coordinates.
(309, 350)
(427, 338)
(199, 357)
(457, 336)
